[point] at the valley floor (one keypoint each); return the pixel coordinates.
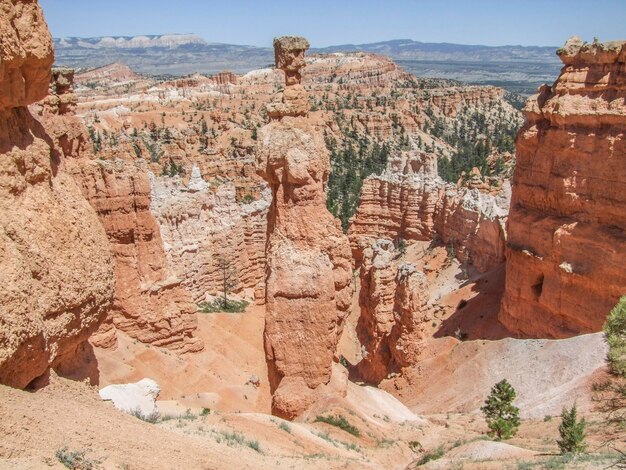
(212, 417)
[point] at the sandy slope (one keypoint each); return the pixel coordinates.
(215, 378)
(547, 374)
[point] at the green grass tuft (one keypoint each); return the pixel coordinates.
(340, 422)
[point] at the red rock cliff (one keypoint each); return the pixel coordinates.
(150, 305)
(409, 201)
(308, 258)
(566, 253)
(56, 269)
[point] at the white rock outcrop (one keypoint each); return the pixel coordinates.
(138, 397)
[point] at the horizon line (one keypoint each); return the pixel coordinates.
(317, 47)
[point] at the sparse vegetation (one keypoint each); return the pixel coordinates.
(152, 417)
(285, 427)
(233, 438)
(501, 415)
(610, 395)
(254, 445)
(385, 442)
(401, 246)
(416, 446)
(217, 305)
(229, 280)
(75, 460)
(431, 455)
(336, 443)
(340, 422)
(172, 169)
(566, 461)
(615, 331)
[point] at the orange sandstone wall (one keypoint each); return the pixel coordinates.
(150, 303)
(418, 205)
(566, 253)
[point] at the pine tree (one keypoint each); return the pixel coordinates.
(501, 416)
(611, 394)
(615, 330)
(572, 432)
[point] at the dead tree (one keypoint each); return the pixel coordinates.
(229, 278)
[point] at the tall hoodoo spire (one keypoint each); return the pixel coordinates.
(308, 257)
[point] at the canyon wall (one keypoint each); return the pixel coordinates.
(410, 202)
(357, 68)
(200, 227)
(566, 253)
(56, 269)
(308, 289)
(451, 100)
(150, 303)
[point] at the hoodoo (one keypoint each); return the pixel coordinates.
(566, 250)
(308, 258)
(56, 269)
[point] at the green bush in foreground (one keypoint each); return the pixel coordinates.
(615, 330)
(501, 416)
(610, 395)
(572, 432)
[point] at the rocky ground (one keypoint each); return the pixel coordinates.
(188, 434)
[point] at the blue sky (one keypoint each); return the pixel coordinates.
(331, 22)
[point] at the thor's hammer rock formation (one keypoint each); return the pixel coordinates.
(308, 257)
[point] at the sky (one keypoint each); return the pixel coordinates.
(334, 22)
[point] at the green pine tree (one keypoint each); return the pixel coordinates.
(615, 330)
(501, 416)
(572, 432)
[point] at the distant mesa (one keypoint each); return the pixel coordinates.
(132, 42)
(527, 67)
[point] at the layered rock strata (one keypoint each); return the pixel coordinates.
(308, 288)
(199, 226)
(61, 99)
(150, 303)
(410, 202)
(56, 269)
(566, 253)
(393, 301)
